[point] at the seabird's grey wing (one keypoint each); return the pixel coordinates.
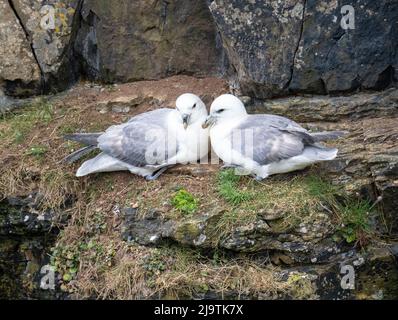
(268, 139)
(141, 141)
(155, 116)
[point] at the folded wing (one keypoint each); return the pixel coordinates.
(269, 138)
(141, 141)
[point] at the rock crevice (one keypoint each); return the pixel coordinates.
(28, 38)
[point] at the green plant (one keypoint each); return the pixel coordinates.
(228, 187)
(353, 215)
(185, 202)
(355, 223)
(319, 188)
(37, 151)
(65, 260)
(155, 263)
(17, 125)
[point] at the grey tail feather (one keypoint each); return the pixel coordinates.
(73, 157)
(89, 139)
(327, 135)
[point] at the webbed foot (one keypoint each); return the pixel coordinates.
(156, 174)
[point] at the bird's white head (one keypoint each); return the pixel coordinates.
(226, 107)
(191, 109)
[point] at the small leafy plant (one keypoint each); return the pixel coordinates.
(185, 202)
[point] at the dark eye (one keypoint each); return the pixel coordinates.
(194, 106)
(221, 110)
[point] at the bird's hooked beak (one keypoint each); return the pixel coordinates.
(185, 120)
(210, 121)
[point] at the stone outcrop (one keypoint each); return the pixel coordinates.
(50, 26)
(38, 56)
(367, 161)
(266, 48)
(135, 40)
(261, 40)
(282, 47)
(17, 62)
(303, 244)
(26, 236)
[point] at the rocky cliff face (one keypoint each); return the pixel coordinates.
(280, 47)
(285, 238)
(198, 231)
(18, 65)
(108, 41)
(267, 48)
(46, 30)
(135, 40)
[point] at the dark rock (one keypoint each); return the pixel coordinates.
(332, 60)
(19, 71)
(20, 217)
(299, 46)
(375, 277)
(261, 39)
(26, 235)
(146, 231)
(331, 109)
(133, 40)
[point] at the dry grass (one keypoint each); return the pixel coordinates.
(175, 273)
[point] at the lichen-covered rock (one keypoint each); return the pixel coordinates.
(279, 47)
(38, 55)
(50, 26)
(18, 66)
(304, 243)
(131, 40)
(260, 38)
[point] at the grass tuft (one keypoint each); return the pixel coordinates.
(18, 124)
(228, 188)
(354, 216)
(37, 151)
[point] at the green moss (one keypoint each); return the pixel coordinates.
(185, 202)
(187, 231)
(301, 287)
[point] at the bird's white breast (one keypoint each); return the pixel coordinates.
(192, 143)
(221, 142)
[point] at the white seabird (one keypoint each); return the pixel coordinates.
(149, 143)
(263, 144)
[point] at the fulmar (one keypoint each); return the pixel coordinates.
(262, 144)
(149, 143)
